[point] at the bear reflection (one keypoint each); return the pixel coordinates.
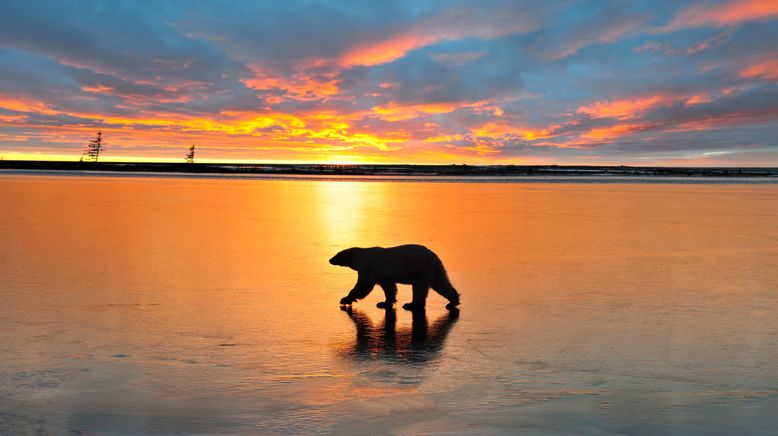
(418, 344)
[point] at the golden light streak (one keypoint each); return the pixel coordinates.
(399, 112)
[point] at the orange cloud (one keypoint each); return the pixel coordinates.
(17, 105)
(612, 131)
(623, 109)
(500, 129)
(12, 119)
(727, 14)
(99, 89)
(301, 133)
(445, 138)
(762, 70)
(301, 86)
(398, 112)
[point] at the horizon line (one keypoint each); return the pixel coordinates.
(181, 162)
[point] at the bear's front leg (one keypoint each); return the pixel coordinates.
(365, 284)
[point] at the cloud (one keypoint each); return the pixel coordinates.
(724, 14)
(461, 22)
(385, 81)
(623, 109)
(767, 69)
(461, 58)
(752, 107)
(604, 30)
(300, 85)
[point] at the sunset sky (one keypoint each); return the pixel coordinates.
(533, 82)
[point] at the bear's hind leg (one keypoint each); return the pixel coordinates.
(443, 286)
(449, 293)
(390, 290)
(420, 291)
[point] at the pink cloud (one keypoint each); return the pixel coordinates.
(722, 15)
(767, 69)
(453, 24)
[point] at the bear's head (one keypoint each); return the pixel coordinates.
(346, 257)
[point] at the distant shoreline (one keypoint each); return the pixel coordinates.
(393, 170)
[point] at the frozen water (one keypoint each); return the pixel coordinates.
(174, 305)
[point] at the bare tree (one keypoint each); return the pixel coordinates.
(94, 148)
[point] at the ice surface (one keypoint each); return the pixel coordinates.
(139, 305)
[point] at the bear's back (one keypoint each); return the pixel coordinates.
(401, 264)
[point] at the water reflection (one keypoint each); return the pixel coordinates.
(419, 343)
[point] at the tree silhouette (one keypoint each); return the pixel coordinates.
(94, 148)
(190, 156)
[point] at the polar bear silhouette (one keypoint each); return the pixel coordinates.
(411, 264)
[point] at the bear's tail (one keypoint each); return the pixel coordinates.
(442, 285)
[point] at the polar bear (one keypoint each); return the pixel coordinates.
(414, 265)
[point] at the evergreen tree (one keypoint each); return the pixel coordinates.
(94, 148)
(190, 156)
